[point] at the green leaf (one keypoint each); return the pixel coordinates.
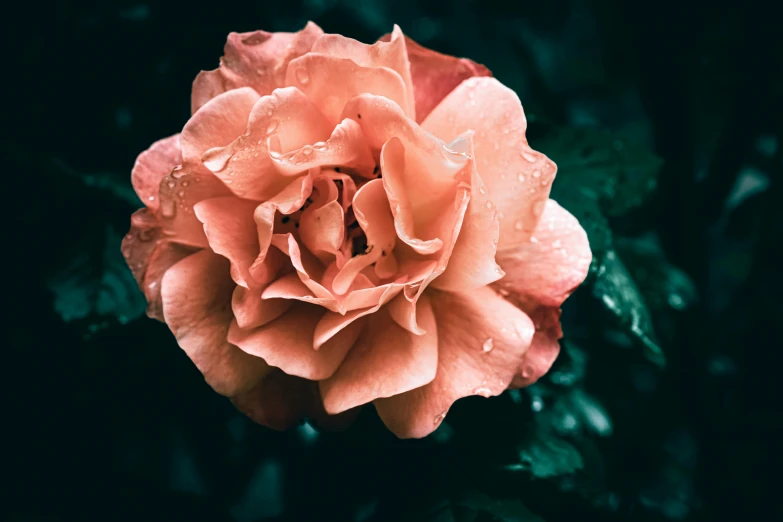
(598, 165)
(547, 455)
(663, 284)
(456, 506)
(619, 294)
(95, 282)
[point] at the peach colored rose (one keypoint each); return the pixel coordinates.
(341, 223)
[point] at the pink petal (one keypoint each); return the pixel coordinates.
(231, 232)
(217, 123)
(472, 261)
(346, 148)
(151, 166)
(391, 54)
(196, 295)
(251, 310)
(482, 338)
(544, 348)
(287, 343)
(330, 82)
(179, 192)
(372, 212)
(552, 263)
(278, 123)
(322, 229)
(435, 75)
(309, 270)
(257, 59)
(149, 256)
(517, 178)
(386, 360)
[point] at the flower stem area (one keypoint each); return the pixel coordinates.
(664, 122)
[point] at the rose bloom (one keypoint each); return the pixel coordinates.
(341, 223)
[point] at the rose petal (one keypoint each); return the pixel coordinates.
(287, 343)
(252, 310)
(284, 120)
(196, 296)
(322, 229)
(231, 232)
(257, 59)
(330, 82)
(149, 256)
(372, 212)
(391, 54)
(435, 75)
(346, 148)
(279, 401)
(481, 340)
(217, 123)
(151, 166)
(517, 178)
(386, 360)
(544, 348)
(552, 263)
(472, 260)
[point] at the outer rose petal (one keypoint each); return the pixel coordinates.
(217, 123)
(149, 256)
(435, 75)
(258, 60)
(544, 348)
(330, 82)
(251, 310)
(518, 179)
(196, 295)
(555, 260)
(386, 360)
(151, 166)
(481, 340)
(287, 343)
(391, 53)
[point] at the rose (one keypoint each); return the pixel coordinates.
(341, 223)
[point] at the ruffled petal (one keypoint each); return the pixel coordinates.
(472, 261)
(482, 338)
(386, 360)
(179, 193)
(196, 295)
(346, 148)
(331, 82)
(391, 53)
(149, 255)
(435, 75)
(544, 348)
(231, 232)
(278, 123)
(287, 343)
(518, 179)
(322, 223)
(217, 123)
(257, 59)
(279, 401)
(252, 310)
(151, 166)
(552, 263)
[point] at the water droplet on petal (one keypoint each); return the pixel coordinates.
(519, 225)
(536, 173)
(151, 198)
(488, 345)
(185, 183)
(171, 184)
(489, 204)
(319, 145)
(439, 418)
(483, 391)
(303, 76)
(527, 371)
(533, 239)
(528, 156)
(482, 190)
(181, 193)
(272, 127)
(556, 244)
(307, 150)
(521, 178)
(538, 208)
(177, 172)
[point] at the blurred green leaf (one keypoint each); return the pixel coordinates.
(598, 165)
(620, 295)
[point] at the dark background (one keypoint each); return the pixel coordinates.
(106, 418)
